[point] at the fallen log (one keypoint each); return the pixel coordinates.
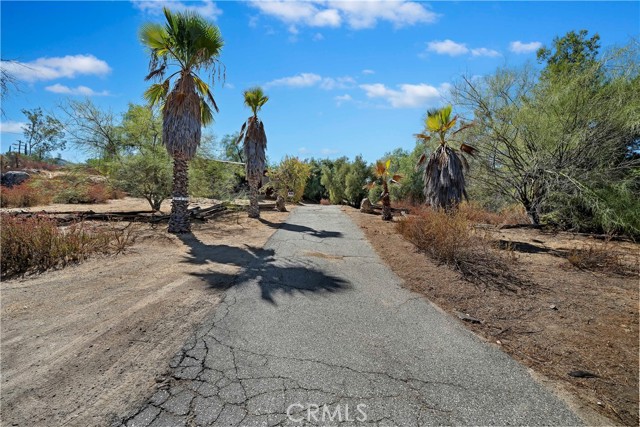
(196, 213)
(397, 210)
(69, 217)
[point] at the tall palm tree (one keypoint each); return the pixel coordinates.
(255, 145)
(444, 183)
(384, 178)
(191, 44)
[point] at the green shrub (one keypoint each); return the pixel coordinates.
(146, 175)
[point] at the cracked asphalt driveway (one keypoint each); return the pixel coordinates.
(318, 331)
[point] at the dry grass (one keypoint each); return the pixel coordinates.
(36, 244)
(448, 238)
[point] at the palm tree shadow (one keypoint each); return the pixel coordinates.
(302, 229)
(259, 265)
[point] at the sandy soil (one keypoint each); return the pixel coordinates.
(83, 345)
(569, 320)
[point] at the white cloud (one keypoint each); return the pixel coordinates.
(483, 51)
(329, 83)
(206, 8)
(447, 47)
(341, 99)
(303, 13)
(52, 68)
(311, 79)
(12, 127)
(368, 72)
(304, 150)
(356, 14)
(79, 90)
(317, 37)
(520, 47)
(366, 14)
(407, 95)
(300, 80)
(451, 48)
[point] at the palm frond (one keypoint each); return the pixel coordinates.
(206, 113)
(205, 92)
(153, 36)
(255, 98)
(463, 127)
(158, 72)
(450, 124)
(241, 134)
(157, 93)
(468, 149)
(423, 136)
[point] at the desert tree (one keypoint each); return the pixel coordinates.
(91, 129)
(384, 178)
(42, 134)
(562, 142)
(146, 170)
(443, 176)
(254, 141)
(190, 44)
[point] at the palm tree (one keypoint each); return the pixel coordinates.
(444, 183)
(255, 144)
(190, 43)
(384, 178)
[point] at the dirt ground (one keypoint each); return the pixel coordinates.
(569, 320)
(82, 345)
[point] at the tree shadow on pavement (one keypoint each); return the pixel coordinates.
(302, 229)
(259, 265)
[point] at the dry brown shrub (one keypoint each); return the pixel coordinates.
(325, 202)
(449, 239)
(601, 257)
(35, 244)
(23, 196)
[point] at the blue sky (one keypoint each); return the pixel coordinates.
(344, 78)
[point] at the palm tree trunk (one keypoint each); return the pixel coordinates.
(179, 219)
(386, 204)
(254, 209)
